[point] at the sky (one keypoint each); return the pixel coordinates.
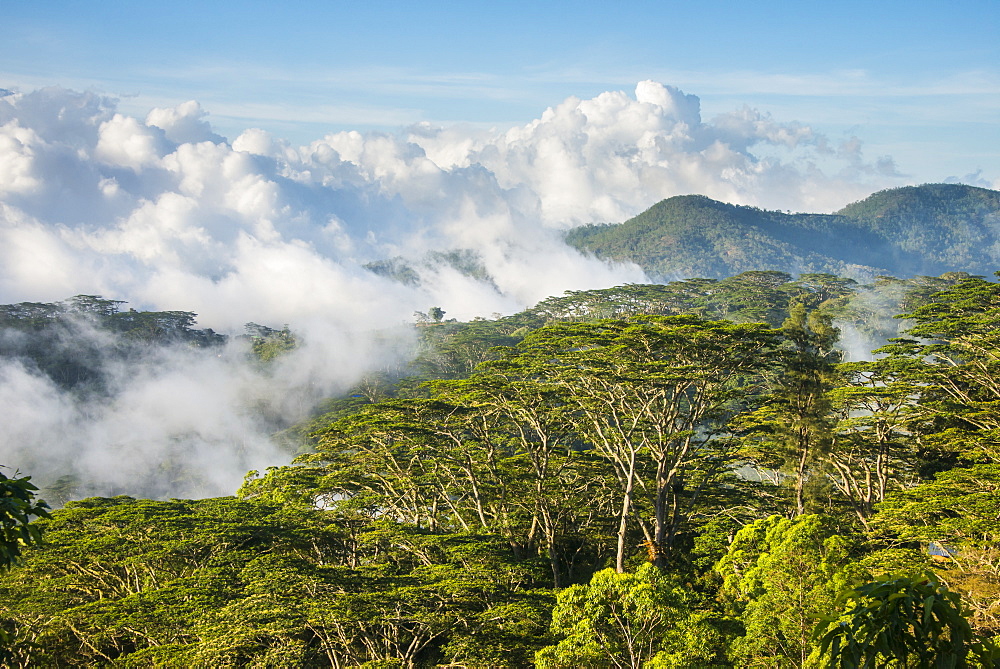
(918, 81)
(254, 161)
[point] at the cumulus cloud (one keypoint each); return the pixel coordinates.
(183, 124)
(166, 214)
(135, 201)
(612, 156)
(125, 142)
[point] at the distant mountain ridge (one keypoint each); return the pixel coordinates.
(928, 229)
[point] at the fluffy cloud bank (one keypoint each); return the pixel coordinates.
(610, 157)
(166, 214)
(163, 212)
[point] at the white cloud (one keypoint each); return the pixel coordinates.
(610, 157)
(126, 142)
(140, 198)
(183, 124)
(183, 423)
(17, 166)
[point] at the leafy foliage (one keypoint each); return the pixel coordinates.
(632, 620)
(17, 533)
(17, 507)
(903, 621)
(781, 574)
(223, 582)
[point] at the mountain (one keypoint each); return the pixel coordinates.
(929, 229)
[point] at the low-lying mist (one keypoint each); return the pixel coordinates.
(174, 420)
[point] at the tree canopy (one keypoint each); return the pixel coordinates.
(682, 475)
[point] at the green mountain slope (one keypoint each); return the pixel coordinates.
(916, 230)
(949, 224)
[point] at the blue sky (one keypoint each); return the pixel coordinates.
(919, 81)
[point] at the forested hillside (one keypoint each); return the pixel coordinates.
(692, 474)
(901, 232)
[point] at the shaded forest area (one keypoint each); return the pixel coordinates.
(697, 474)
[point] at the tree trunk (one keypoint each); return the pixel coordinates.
(626, 508)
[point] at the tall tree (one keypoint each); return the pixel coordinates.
(653, 396)
(956, 341)
(872, 449)
(224, 582)
(958, 514)
(553, 482)
(795, 427)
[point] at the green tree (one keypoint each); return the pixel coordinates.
(904, 621)
(453, 350)
(954, 349)
(957, 512)
(224, 582)
(487, 454)
(780, 574)
(17, 532)
(873, 449)
(752, 297)
(826, 289)
(653, 396)
(408, 460)
(632, 620)
(794, 428)
(554, 484)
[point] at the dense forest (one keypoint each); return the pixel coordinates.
(696, 474)
(926, 229)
